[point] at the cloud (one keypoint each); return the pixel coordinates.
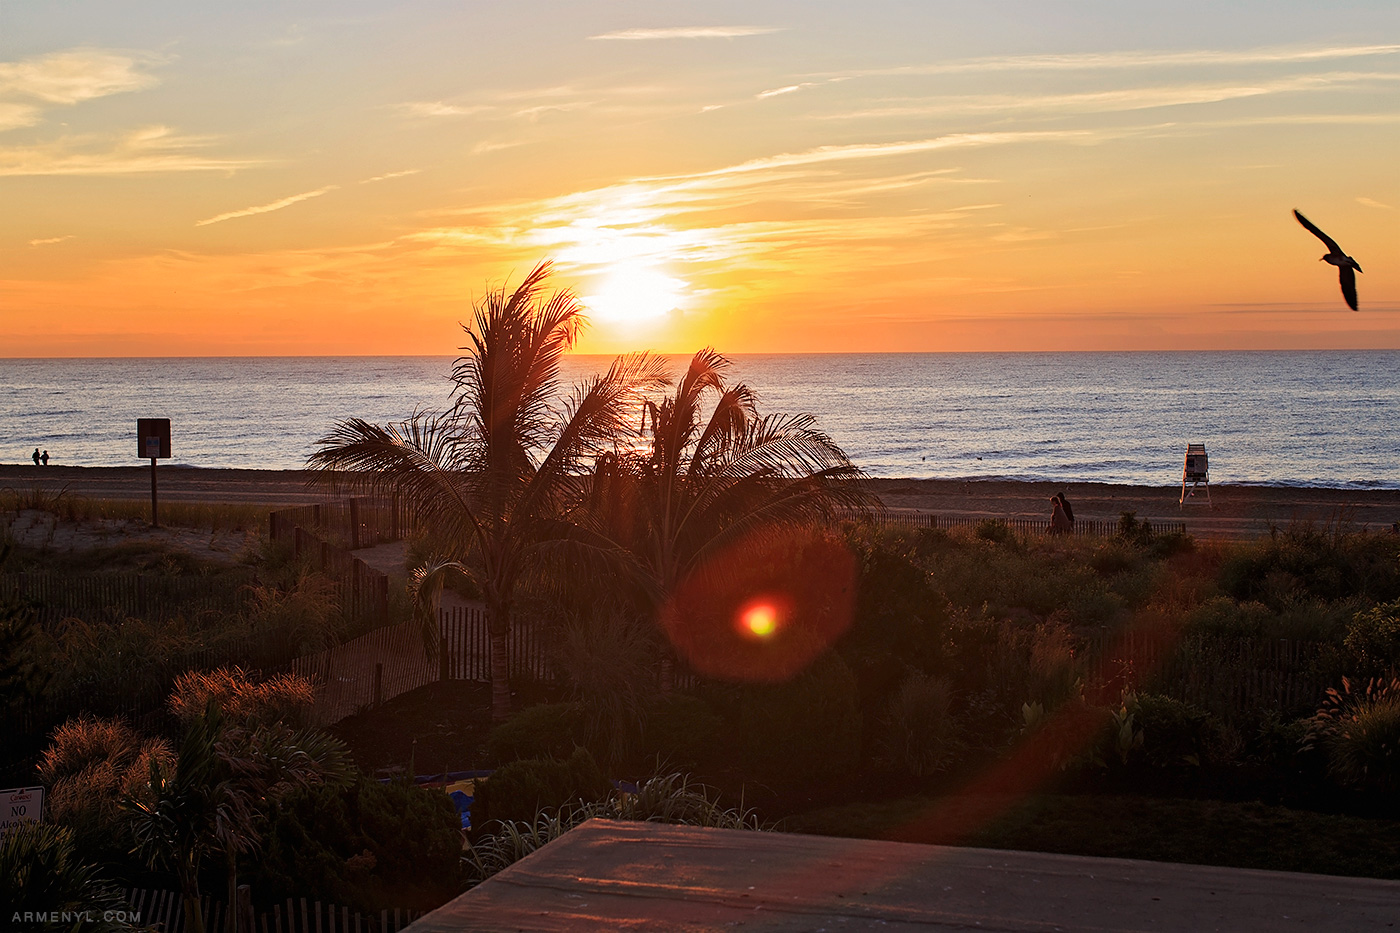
(1139, 98)
(1119, 60)
(436, 108)
(50, 240)
(267, 208)
(778, 91)
(76, 75)
(150, 149)
(688, 32)
(13, 116)
(1368, 202)
(407, 171)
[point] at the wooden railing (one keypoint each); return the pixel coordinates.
(317, 532)
(1025, 526)
(350, 523)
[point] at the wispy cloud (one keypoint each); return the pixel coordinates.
(47, 241)
(1121, 60)
(76, 75)
(1369, 202)
(407, 171)
(268, 208)
(13, 116)
(437, 108)
(687, 32)
(1119, 99)
(150, 149)
(779, 91)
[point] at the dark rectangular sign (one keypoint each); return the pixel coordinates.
(153, 438)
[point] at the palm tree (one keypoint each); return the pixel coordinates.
(492, 475)
(702, 481)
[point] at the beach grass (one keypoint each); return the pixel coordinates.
(67, 507)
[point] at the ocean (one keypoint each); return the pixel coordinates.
(1300, 418)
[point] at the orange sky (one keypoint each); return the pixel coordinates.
(776, 176)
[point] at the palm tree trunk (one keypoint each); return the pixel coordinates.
(189, 898)
(499, 623)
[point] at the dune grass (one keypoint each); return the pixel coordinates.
(68, 507)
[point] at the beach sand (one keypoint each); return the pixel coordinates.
(1236, 511)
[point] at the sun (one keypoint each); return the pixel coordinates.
(634, 293)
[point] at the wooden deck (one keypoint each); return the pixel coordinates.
(639, 876)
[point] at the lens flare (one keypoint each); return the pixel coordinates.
(759, 619)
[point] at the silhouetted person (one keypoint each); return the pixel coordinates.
(1059, 521)
(36, 456)
(1064, 504)
(44, 458)
(1335, 257)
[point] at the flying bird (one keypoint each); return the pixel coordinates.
(1344, 263)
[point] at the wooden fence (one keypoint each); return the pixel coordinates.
(1229, 676)
(94, 596)
(1084, 528)
(164, 911)
(351, 523)
(389, 661)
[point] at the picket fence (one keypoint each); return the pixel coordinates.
(92, 596)
(380, 665)
(350, 523)
(1229, 676)
(1084, 528)
(163, 911)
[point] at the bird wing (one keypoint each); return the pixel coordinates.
(1348, 286)
(1312, 228)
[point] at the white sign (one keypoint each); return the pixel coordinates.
(21, 805)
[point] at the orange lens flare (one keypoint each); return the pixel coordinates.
(759, 619)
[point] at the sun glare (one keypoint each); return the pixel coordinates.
(759, 619)
(634, 293)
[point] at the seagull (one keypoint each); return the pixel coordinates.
(1344, 263)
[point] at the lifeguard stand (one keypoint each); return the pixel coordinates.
(1195, 473)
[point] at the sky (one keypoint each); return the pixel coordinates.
(288, 178)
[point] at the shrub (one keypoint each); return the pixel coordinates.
(1360, 731)
(547, 730)
(799, 731)
(1373, 638)
(521, 790)
(369, 846)
(680, 731)
(609, 660)
(1174, 733)
(920, 732)
(282, 698)
(40, 870)
(994, 530)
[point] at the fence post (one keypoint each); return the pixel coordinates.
(245, 909)
(383, 586)
(444, 668)
(354, 524)
(378, 683)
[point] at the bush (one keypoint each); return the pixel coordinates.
(920, 732)
(40, 871)
(520, 791)
(368, 846)
(680, 731)
(1373, 639)
(994, 530)
(1360, 731)
(1174, 733)
(800, 731)
(547, 730)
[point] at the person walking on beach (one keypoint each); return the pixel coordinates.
(36, 456)
(44, 458)
(1064, 504)
(1060, 523)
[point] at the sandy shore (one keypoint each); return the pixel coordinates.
(1237, 511)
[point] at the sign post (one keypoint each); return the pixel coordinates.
(153, 443)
